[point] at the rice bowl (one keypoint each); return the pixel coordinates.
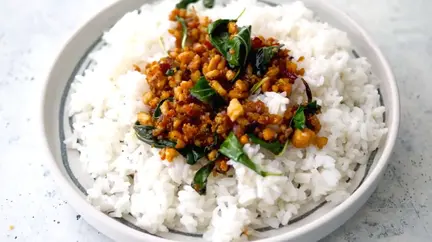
(246, 200)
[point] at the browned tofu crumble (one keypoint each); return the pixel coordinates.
(186, 120)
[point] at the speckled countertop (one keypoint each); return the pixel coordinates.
(32, 209)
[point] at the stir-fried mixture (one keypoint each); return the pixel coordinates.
(203, 101)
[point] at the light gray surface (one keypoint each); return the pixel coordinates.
(32, 32)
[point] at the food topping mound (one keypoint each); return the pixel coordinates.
(206, 97)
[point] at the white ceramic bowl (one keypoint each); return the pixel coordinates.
(73, 181)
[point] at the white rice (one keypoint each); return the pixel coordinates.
(105, 101)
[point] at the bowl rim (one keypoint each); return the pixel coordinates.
(95, 216)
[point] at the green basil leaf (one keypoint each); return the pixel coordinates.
(240, 43)
(312, 108)
(275, 147)
(232, 149)
(239, 71)
(213, 145)
(157, 112)
(145, 134)
(199, 182)
(203, 91)
(283, 148)
(219, 36)
(192, 153)
(170, 72)
(261, 58)
(299, 119)
(184, 3)
(206, 94)
(185, 30)
(234, 60)
(257, 86)
(208, 3)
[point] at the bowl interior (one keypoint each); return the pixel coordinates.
(74, 60)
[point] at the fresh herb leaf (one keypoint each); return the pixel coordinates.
(184, 29)
(232, 149)
(239, 71)
(199, 182)
(145, 134)
(206, 94)
(275, 147)
(312, 108)
(299, 119)
(170, 72)
(219, 36)
(203, 91)
(184, 3)
(308, 91)
(192, 153)
(208, 3)
(257, 85)
(213, 145)
(235, 49)
(157, 112)
(260, 59)
(283, 148)
(241, 45)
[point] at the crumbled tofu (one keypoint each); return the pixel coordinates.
(235, 109)
(144, 118)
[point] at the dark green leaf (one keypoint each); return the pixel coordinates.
(203, 91)
(239, 71)
(213, 145)
(145, 134)
(235, 45)
(206, 94)
(275, 147)
(199, 182)
(208, 3)
(308, 91)
(284, 148)
(261, 58)
(157, 112)
(232, 149)
(184, 29)
(299, 119)
(184, 3)
(170, 72)
(219, 36)
(312, 108)
(192, 153)
(240, 43)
